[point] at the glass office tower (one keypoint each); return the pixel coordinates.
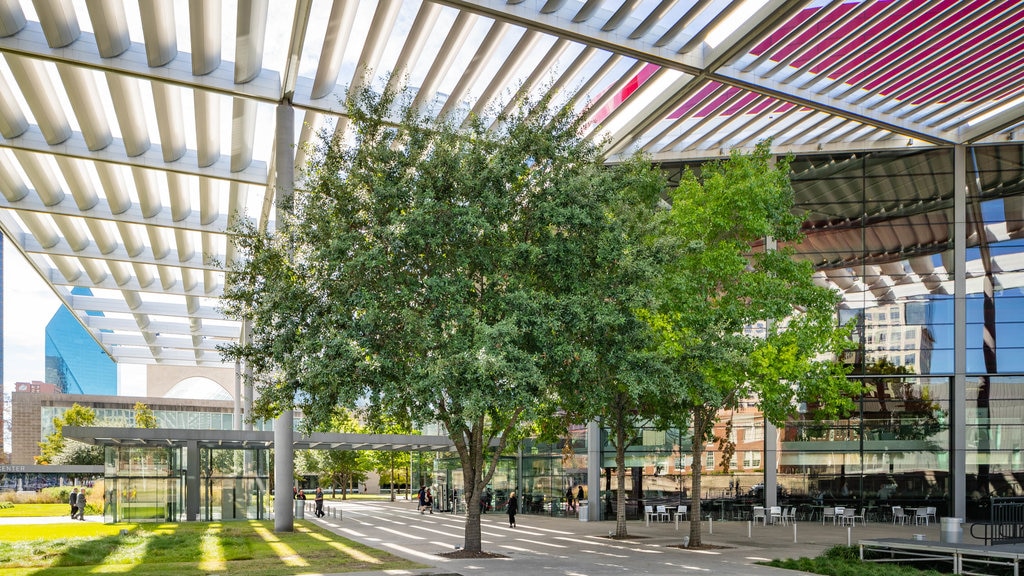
(74, 361)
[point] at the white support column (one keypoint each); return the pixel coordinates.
(958, 395)
(247, 388)
(771, 464)
(236, 398)
(771, 444)
(594, 471)
(284, 452)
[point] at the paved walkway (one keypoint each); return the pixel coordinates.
(542, 545)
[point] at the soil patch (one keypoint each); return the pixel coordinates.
(466, 555)
(701, 547)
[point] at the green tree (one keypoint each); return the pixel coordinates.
(144, 417)
(626, 381)
(59, 450)
(434, 270)
(724, 280)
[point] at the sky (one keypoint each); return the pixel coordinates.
(28, 305)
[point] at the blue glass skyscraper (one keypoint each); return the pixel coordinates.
(74, 361)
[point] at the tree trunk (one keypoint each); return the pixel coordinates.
(472, 486)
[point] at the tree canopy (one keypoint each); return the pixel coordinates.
(57, 449)
(436, 271)
(736, 318)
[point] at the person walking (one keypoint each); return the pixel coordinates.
(421, 499)
(81, 504)
(73, 501)
(512, 508)
(579, 495)
(319, 501)
(570, 503)
(430, 501)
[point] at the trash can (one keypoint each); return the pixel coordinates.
(300, 509)
(950, 530)
(584, 511)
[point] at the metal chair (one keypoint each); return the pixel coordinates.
(648, 513)
(828, 512)
(789, 515)
(662, 512)
(759, 514)
(921, 515)
(932, 513)
(681, 510)
(775, 515)
(898, 516)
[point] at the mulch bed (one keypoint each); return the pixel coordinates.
(701, 547)
(464, 555)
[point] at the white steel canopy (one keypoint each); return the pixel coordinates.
(133, 132)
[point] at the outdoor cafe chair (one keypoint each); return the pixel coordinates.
(776, 517)
(931, 513)
(759, 514)
(849, 517)
(789, 515)
(648, 513)
(681, 511)
(662, 513)
(828, 512)
(921, 516)
(898, 516)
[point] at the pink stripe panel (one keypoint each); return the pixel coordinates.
(625, 92)
(917, 41)
(694, 100)
(880, 35)
(828, 43)
(912, 31)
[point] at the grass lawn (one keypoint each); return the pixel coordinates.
(36, 510)
(249, 547)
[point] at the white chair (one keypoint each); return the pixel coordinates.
(775, 515)
(931, 513)
(681, 511)
(662, 512)
(828, 512)
(860, 516)
(849, 516)
(648, 514)
(759, 514)
(898, 516)
(789, 515)
(921, 516)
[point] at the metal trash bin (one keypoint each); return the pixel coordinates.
(584, 511)
(950, 530)
(300, 509)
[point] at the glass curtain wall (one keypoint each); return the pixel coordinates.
(234, 484)
(143, 484)
(879, 229)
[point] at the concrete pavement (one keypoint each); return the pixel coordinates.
(542, 545)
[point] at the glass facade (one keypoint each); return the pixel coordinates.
(74, 361)
(148, 484)
(176, 419)
(880, 229)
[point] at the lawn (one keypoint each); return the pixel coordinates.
(19, 510)
(249, 547)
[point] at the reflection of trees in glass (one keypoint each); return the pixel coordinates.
(900, 408)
